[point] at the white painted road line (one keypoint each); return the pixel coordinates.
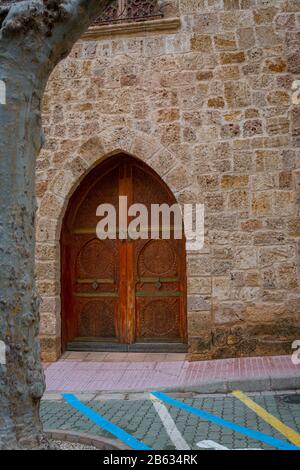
(211, 445)
(169, 424)
(215, 446)
(253, 433)
(2, 353)
(2, 92)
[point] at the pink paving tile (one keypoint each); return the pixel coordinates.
(149, 366)
(72, 375)
(131, 357)
(108, 366)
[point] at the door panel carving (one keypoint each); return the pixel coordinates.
(96, 277)
(159, 291)
(158, 319)
(158, 258)
(96, 259)
(96, 319)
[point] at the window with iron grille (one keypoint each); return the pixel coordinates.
(131, 10)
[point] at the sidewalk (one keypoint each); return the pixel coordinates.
(100, 372)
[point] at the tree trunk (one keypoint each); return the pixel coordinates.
(21, 380)
(28, 53)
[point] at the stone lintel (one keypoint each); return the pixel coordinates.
(163, 24)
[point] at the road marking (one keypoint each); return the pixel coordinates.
(2, 92)
(211, 445)
(169, 424)
(288, 432)
(215, 446)
(228, 424)
(104, 423)
(2, 353)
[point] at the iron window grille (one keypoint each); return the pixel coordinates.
(131, 10)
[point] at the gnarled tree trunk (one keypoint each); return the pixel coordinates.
(34, 36)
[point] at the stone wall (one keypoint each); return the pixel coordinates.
(211, 104)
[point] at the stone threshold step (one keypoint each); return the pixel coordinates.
(93, 346)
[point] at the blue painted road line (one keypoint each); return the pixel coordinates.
(104, 423)
(228, 424)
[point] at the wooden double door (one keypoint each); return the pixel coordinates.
(121, 290)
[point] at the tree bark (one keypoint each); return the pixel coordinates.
(34, 36)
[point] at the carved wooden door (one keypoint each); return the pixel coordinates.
(158, 269)
(114, 290)
(90, 266)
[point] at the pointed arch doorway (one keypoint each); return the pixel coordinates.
(121, 295)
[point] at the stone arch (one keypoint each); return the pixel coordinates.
(53, 205)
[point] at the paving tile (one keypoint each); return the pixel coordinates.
(110, 396)
(65, 355)
(52, 396)
(132, 357)
(96, 356)
(171, 357)
(77, 355)
(139, 418)
(96, 372)
(155, 357)
(116, 357)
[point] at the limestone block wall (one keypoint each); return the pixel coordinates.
(211, 104)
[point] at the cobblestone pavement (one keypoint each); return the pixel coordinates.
(135, 413)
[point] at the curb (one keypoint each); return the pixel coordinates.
(255, 384)
(101, 443)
